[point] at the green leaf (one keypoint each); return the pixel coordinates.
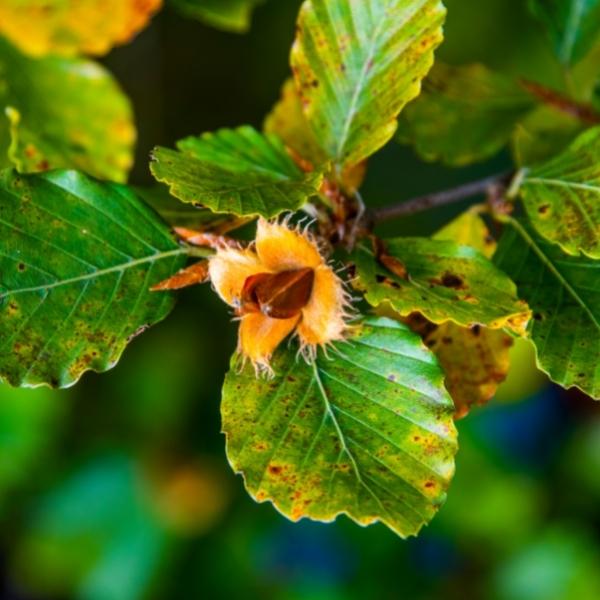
(564, 295)
(64, 113)
(542, 134)
(357, 64)
(443, 281)
(464, 115)
(571, 25)
(229, 15)
(367, 432)
(78, 258)
(562, 196)
(237, 171)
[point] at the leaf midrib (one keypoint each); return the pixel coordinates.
(99, 273)
(358, 90)
(552, 268)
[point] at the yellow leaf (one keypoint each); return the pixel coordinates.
(287, 121)
(469, 229)
(71, 27)
(475, 361)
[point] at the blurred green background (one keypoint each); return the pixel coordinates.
(119, 488)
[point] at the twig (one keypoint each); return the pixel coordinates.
(421, 203)
(584, 112)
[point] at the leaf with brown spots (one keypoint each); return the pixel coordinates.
(562, 196)
(88, 124)
(71, 27)
(367, 432)
(357, 64)
(475, 360)
(564, 294)
(444, 281)
(78, 260)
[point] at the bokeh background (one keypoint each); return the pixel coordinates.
(119, 489)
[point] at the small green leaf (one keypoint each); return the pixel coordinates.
(367, 432)
(63, 113)
(237, 171)
(77, 263)
(571, 25)
(464, 115)
(564, 296)
(229, 15)
(562, 196)
(357, 64)
(443, 281)
(542, 134)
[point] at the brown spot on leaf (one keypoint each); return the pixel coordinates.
(452, 281)
(543, 209)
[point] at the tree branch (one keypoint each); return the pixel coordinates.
(421, 203)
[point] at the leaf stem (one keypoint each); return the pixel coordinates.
(198, 251)
(422, 203)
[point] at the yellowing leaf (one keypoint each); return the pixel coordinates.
(367, 432)
(63, 113)
(70, 27)
(475, 359)
(469, 229)
(357, 64)
(287, 121)
(562, 196)
(442, 280)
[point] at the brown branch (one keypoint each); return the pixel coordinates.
(422, 203)
(584, 112)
